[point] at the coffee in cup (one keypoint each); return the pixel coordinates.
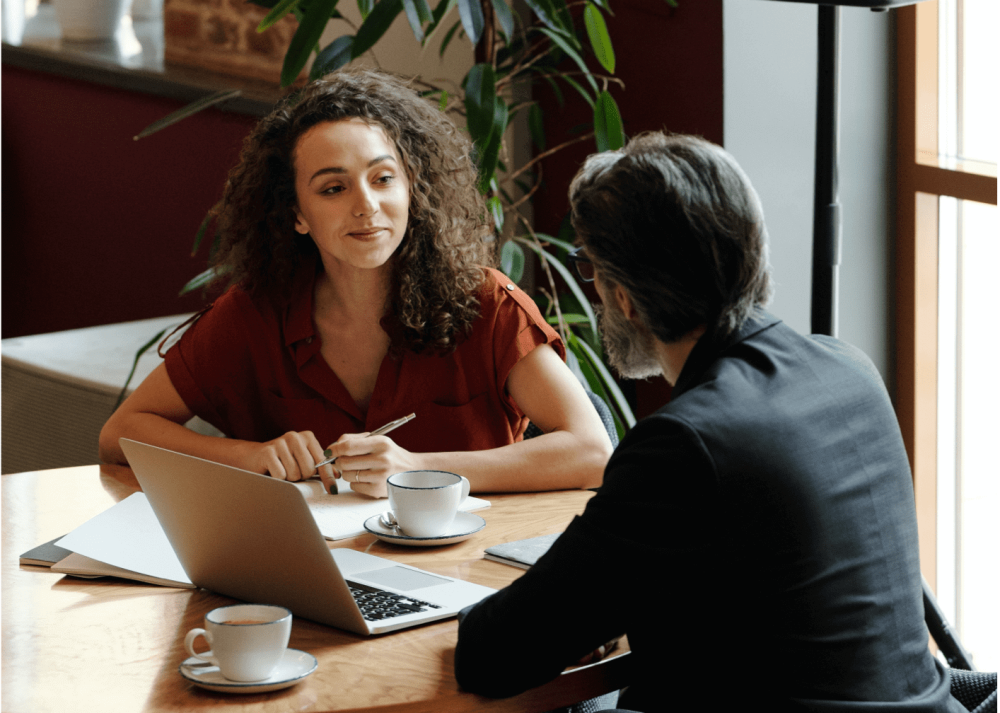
(425, 502)
(247, 640)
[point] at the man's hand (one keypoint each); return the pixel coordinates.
(366, 462)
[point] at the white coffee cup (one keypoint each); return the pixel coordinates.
(247, 640)
(424, 502)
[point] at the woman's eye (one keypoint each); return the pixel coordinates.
(386, 179)
(331, 190)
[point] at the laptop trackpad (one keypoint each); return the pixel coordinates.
(400, 578)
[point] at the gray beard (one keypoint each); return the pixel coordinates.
(629, 350)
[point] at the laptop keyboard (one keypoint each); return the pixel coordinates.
(378, 604)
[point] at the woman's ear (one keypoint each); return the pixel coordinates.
(301, 226)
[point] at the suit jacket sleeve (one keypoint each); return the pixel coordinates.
(596, 577)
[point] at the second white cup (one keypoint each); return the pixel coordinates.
(247, 640)
(425, 502)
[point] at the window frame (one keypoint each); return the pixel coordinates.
(919, 184)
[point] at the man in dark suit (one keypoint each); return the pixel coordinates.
(756, 537)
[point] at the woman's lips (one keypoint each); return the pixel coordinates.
(367, 233)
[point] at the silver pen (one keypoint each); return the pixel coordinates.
(391, 426)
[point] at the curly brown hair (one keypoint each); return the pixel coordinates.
(437, 269)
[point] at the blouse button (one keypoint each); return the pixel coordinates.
(510, 287)
(309, 340)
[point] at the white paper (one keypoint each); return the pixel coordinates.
(343, 515)
(129, 536)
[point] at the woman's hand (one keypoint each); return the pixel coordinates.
(366, 462)
(292, 456)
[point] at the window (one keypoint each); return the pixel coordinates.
(948, 246)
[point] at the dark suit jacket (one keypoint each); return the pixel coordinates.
(755, 539)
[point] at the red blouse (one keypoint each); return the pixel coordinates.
(253, 369)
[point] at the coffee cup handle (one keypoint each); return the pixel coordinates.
(189, 645)
(465, 489)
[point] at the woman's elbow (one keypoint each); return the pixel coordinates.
(595, 453)
(108, 450)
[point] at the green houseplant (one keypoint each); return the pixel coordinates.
(565, 45)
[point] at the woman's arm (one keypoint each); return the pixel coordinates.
(155, 414)
(571, 452)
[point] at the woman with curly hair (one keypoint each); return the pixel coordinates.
(359, 291)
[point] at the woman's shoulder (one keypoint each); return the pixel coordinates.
(237, 308)
(498, 291)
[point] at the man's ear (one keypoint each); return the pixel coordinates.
(301, 226)
(625, 302)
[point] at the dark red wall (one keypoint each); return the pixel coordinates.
(97, 228)
(670, 60)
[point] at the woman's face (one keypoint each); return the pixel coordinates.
(352, 192)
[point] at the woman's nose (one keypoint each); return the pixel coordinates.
(366, 203)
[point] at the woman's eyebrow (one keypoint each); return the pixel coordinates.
(339, 169)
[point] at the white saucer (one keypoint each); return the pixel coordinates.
(294, 666)
(465, 526)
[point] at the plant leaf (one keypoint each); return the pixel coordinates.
(555, 90)
(413, 17)
(198, 281)
(593, 378)
(424, 11)
(480, 100)
(214, 247)
(505, 18)
(334, 56)
(608, 124)
(620, 401)
(200, 235)
(597, 31)
(558, 242)
(565, 20)
(536, 126)
(443, 104)
(583, 93)
(546, 13)
(135, 364)
(571, 282)
(186, 111)
(305, 38)
(569, 318)
(375, 25)
(448, 36)
(473, 21)
(512, 260)
(277, 12)
(496, 210)
(489, 157)
(565, 46)
(365, 7)
(442, 9)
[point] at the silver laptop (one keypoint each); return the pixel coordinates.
(252, 537)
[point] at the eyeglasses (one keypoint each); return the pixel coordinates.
(581, 264)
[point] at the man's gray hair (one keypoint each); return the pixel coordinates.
(675, 221)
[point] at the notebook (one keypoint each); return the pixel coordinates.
(521, 553)
(252, 537)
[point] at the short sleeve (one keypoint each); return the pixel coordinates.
(518, 328)
(212, 365)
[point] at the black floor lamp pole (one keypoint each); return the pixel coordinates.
(826, 208)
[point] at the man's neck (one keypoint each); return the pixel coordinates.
(673, 356)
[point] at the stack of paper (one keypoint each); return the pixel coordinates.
(127, 540)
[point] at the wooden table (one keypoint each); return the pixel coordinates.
(111, 645)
